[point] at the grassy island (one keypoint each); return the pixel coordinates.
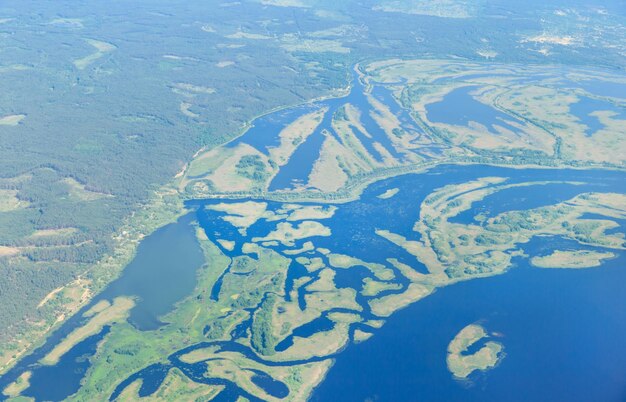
(461, 364)
(571, 259)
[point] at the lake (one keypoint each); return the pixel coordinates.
(162, 273)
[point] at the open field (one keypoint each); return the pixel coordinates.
(80, 192)
(243, 214)
(8, 251)
(60, 232)
(388, 193)
(387, 305)
(285, 3)
(436, 8)
(287, 233)
(190, 90)
(10, 202)
(372, 287)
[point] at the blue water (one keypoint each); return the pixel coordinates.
(296, 270)
(152, 377)
(264, 131)
(56, 382)
(460, 108)
(533, 308)
(422, 337)
(300, 165)
(167, 260)
(562, 330)
(603, 88)
(273, 387)
(162, 273)
(321, 324)
(584, 108)
(519, 198)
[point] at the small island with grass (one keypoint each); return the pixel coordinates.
(571, 259)
(461, 363)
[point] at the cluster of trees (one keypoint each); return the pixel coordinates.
(263, 339)
(252, 167)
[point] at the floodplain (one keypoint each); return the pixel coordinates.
(303, 243)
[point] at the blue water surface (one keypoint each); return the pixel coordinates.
(584, 110)
(459, 108)
(562, 332)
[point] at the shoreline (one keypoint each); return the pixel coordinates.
(355, 188)
(155, 208)
(141, 222)
(169, 188)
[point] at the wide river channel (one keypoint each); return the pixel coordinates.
(562, 330)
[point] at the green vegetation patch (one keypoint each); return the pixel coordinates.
(112, 313)
(571, 259)
(461, 364)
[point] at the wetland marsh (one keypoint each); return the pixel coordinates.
(365, 223)
(289, 304)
